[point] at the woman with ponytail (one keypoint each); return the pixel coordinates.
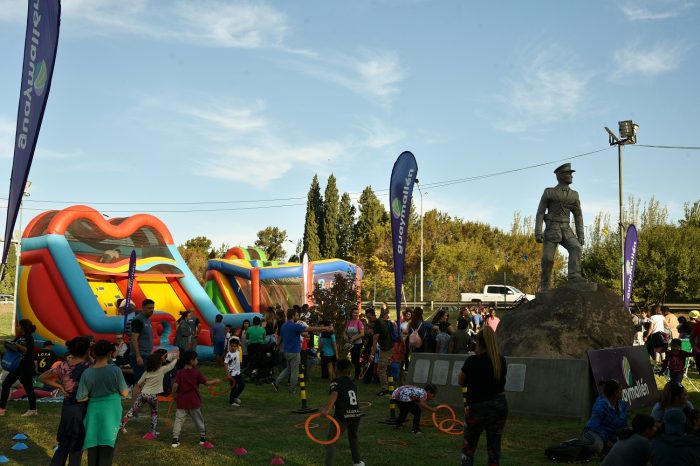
(484, 375)
(24, 343)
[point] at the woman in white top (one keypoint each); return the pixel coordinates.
(656, 337)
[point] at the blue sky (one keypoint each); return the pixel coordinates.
(212, 101)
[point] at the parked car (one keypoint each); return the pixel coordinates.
(496, 294)
(6, 298)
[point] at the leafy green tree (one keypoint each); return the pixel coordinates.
(7, 285)
(372, 215)
(220, 252)
(271, 240)
(200, 243)
(345, 227)
(312, 244)
(196, 252)
(329, 237)
(314, 221)
(692, 215)
(337, 302)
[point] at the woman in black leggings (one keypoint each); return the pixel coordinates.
(24, 373)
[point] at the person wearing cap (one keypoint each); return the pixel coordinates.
(674, 447)
(45, 357)
(555, 209)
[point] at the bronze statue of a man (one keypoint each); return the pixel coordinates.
(555, 207)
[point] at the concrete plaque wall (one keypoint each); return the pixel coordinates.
(548, 387)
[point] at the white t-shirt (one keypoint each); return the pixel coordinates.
(233, 363)
(657, 323)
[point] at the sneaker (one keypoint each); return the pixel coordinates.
(235, 404)
(30, 412)
(383, 392)
(150, 436)
(206, 444)
(417, 431)
(238, 400)
(175, 443)
(361, 463)
(123, 430)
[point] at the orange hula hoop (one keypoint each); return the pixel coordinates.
(314, 439)
(451, 430)
(453, 419)
(214, 392)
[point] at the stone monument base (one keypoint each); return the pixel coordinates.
(566, 322)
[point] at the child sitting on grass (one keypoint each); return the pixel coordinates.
(188, 400)
(411, 399)
(233, 367)
(151, 384)
(343, 393)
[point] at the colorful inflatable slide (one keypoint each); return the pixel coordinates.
(245, 281)
(74, 267)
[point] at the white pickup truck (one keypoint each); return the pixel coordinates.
(496, 294)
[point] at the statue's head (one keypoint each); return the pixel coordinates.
(565, 174)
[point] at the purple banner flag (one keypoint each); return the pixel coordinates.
(631, 243)
(43, 19)
(129, 286)
(400, 192)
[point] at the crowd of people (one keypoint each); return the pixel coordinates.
(94, 377)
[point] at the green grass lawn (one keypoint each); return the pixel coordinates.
(6, 324)
(266, 427)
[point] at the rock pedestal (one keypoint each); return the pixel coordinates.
(566, 322)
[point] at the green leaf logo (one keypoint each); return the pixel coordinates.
(396, 208)
(627, 371)
(41, 76)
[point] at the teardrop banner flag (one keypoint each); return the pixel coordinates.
(631, 243)
(403, 176)
(129, 286)
(40, 44)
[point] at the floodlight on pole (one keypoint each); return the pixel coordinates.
(628, 135)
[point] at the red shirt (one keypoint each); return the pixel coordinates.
(695, 336)
(188, 381)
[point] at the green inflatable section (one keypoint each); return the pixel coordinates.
(212, 290)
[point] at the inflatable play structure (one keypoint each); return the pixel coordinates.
(74, 267)
(245, 281)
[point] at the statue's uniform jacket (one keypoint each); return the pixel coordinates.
(559, 202)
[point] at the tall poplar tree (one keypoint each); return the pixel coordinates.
(372, 215)
(314, 218)
(346, 227)
(329, 237)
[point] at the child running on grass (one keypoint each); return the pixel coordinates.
(188, 400)
(411, 399)
(151, 384)
(343, 393)
(233, 367)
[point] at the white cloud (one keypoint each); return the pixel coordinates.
(654, 10)
(661, 58)
(376, 134)
(549, 87)
(375, 75)
(244, 146)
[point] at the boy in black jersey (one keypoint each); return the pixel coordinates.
(343, 393)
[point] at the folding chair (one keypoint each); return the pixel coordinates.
(167, 399)
(686, 345)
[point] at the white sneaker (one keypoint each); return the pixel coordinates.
(30, 412)
(361, 463)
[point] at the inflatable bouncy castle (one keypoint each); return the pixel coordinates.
(74, 267)
(245, 281)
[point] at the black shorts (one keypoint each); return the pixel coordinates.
(328, 359)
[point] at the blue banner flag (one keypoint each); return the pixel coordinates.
(129, 286)
(40, 44)
(631, 243)
(400, 192)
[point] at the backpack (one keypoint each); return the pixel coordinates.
(568, 452)
(414, 339)
(11, 360)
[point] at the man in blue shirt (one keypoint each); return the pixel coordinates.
(291, 347)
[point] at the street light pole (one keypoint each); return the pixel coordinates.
(421, 241)
(628, 135)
